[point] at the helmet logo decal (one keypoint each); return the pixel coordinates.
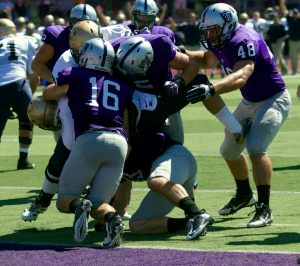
(145, 64)
(226, 16)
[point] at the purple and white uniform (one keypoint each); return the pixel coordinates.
(164, 51)
(265, 98)
(154, 30)
(153, 156)
(247, 44)
(97, 101)
(58, 38)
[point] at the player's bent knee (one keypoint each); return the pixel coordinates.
(228, 154)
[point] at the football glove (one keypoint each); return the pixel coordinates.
(181, 49)
(171, 87)
(240, 137)
(200, 92)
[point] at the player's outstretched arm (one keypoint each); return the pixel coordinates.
(205, 60)
(53, 92)
(38, 65)
(34, 81)
(188, 65)
(242, 70)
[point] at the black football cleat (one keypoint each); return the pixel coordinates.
(25, 165)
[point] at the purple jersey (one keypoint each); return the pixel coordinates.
(58, 38)
(97, 100)
(144, 152)
(155, 30)
(247, 44)
(164, 51)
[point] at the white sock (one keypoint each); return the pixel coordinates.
(26, 150)
(49, 187)
(228, 120)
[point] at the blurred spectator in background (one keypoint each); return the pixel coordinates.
(277, 35)
(30, 31)
(243, 19)
(117, 5)
(21, 8)
(20, 26)
(191, 32)
(44, 8)
(180, 6)
(60, 21)
(48, 21)
(170, 4)
(206, 3)
(258, 23)
(293, 21)
(161, 14)
(60, 8)
(190, 5)
(6, 9)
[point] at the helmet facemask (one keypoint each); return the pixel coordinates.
(142, 21)
(218, 39)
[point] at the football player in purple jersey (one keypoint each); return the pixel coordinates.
(250, 67)
(170, 171)
(56, 41)
(98, 103)
(144, 14)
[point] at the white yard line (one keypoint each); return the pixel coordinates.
(197, 190)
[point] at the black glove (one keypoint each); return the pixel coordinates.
(180, 49)
(200, 92)
(171, 87)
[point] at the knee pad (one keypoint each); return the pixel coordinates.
(25, 140)
(28, 127)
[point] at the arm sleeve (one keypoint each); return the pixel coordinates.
(64, 76)
(49, 37)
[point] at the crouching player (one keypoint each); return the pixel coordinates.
(170, 170)
(97, 101)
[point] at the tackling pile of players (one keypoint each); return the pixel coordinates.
(118, 106)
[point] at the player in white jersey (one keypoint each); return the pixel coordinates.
(115, 31)
(16, 55)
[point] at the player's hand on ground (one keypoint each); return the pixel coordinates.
(200, 93)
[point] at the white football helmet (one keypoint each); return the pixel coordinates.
(82, 12)
(144, 13)
(134, 57)
(97, 54)
(218, 17)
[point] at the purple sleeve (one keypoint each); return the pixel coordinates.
(64, 76)
(245, 50)
(165, 50)
(50, 36)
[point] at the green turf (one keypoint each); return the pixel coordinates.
(228, 233)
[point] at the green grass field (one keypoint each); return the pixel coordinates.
(203, 137)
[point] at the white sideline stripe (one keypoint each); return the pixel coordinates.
(147, 247)
(278, 224)
(200, 191)
(30, 154)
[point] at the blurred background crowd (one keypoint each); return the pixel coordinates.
(277, 21)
